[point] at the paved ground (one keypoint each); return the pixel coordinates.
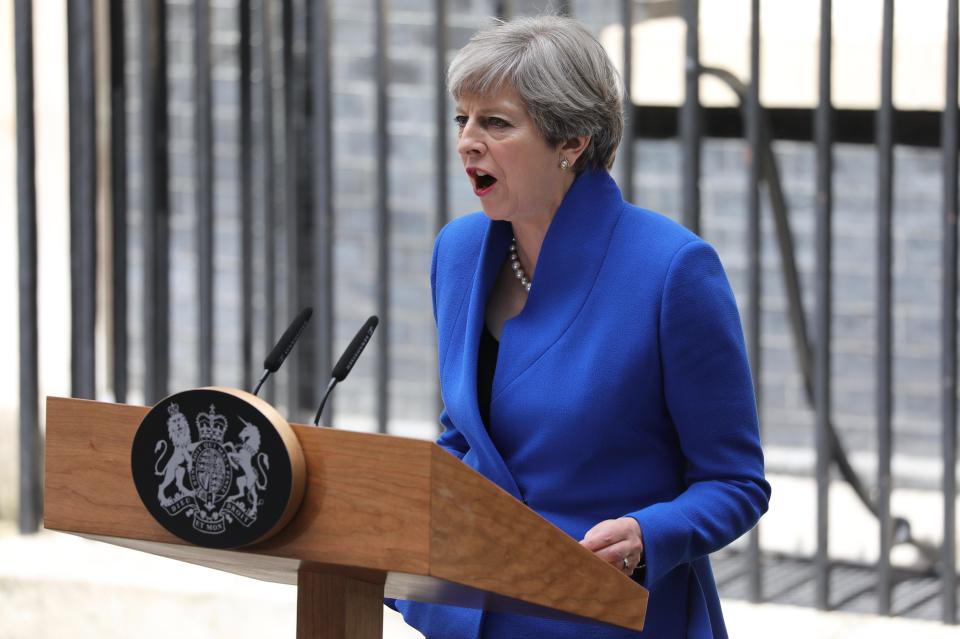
(54, 585)
(853, 587)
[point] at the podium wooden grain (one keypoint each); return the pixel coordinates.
(381, 516)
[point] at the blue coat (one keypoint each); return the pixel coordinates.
(621, 389)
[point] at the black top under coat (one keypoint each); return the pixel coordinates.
(486, 366)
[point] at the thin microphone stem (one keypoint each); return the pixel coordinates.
(263, 378)
(323, 402)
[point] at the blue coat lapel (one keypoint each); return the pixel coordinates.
(459, 377)
(570, 260)
(567, 268)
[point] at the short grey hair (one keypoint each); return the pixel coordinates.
(562, 74)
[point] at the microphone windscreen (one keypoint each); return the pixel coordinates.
(287, 340)
(349, 357)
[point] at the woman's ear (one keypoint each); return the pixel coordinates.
(573, 148)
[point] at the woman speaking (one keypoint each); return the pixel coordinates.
(591, 358)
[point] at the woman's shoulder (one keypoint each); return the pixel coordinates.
(464, 232)
(458, 245)
(660, 236)
(641, 220)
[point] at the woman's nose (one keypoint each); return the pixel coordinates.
(469, 140)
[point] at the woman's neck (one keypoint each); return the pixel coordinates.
(530, 235)
(530, 231)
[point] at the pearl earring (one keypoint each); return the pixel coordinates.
(564, 165)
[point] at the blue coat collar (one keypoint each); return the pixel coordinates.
(569, 263)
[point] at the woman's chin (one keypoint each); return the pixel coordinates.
(495, 214)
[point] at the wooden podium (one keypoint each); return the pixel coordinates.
(381, 516)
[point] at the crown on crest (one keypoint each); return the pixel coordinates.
(211, 425)
(176, 417)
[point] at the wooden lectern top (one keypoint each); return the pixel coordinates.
(386, 510)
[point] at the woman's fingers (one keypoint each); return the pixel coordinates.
(616, 540)
(603, 534)
(615, 553)
(612, 531)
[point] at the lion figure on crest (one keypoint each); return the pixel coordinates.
(179, 462)
(250, 480)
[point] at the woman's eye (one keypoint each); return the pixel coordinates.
(498, 123)
(461, 121)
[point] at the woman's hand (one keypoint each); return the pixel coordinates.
(619, 542)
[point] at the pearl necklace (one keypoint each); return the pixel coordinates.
(517, 267)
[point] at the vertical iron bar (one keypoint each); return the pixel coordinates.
(884, 309)
(301, 173)
(246, 195)
(949, 303)
(269, 214)
(31, 487)
(690, 119)
(203, 130)
(504, 9)
(563, 7)
(304, 187)
(823, 132)
(441, 43)
(83, 198)
(291, 89)
(118, 169)
(627, 161)
(383, 218)
(440, 73)
(321, 135)
(755, 267)
(156, 211)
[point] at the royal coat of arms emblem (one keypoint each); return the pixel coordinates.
(213, 469)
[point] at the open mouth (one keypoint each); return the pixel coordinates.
(482, 181)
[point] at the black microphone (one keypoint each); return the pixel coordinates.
(284, 345)
(348, 359)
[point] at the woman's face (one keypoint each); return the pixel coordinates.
(512, 169)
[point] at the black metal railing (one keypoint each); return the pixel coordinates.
(31, 445)
(949, 322)
(822, 397)
(287, 222)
